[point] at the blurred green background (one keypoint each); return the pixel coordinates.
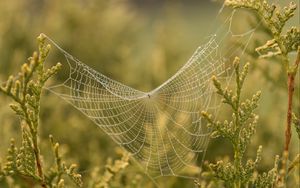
(140, 43)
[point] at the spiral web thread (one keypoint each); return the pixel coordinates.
(163, 128)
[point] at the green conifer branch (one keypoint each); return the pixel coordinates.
(112, 169)
(55, 175)
(275, 19)
(238, 131)
(281, 44)
(25, 89)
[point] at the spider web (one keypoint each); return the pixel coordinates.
(162, 128)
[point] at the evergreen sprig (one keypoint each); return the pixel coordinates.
(25, 89)
(238, 131)
(282, 43)
(112, 168)
(275, 19)
(55, 175)
(242, 126)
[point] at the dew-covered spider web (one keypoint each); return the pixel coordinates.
(162, 128)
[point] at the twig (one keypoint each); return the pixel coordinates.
(288, 134)
(38, 162)
(291, 87)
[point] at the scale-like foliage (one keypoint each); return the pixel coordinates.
(10, 166)
(25, 89)
(26, 159)
(111, 170)
(239, 131)
(274, 19)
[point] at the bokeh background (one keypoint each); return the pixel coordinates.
(140, 43)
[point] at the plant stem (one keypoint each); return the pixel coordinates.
(237, 162)
(237, 149)
(38, 161)
(292, 72)
(37, 150)
(291, 87)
